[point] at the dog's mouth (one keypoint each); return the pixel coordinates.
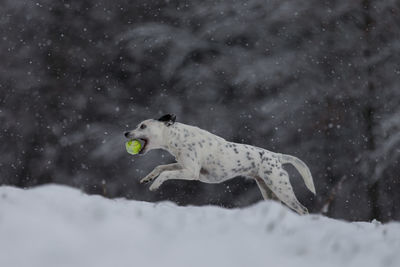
(144, 143)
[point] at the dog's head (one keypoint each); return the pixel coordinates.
(150, 132)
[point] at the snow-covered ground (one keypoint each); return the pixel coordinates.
(59, 226)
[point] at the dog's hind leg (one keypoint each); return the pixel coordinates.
(159, 169)
(265, 191)
(278, 182)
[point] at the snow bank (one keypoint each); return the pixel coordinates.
(59, 226)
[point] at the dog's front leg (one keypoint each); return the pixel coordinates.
(184, 174)
(159, 169)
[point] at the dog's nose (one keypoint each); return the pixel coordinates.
(126, 134)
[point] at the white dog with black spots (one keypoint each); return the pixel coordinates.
(208, 158)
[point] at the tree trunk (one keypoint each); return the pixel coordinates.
(370, 109)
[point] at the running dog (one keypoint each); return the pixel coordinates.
(208, 158)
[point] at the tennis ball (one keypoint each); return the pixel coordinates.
(133, 147)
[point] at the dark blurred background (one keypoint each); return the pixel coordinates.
(315, 79)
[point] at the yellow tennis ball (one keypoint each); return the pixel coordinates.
(133, 147)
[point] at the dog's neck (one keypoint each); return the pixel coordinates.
(171, 136)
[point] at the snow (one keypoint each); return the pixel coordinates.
(56, 225)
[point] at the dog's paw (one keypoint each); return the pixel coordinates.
(147, 179)
(156, 184)
(154, 187)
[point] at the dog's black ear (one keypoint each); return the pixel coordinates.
(168, 119)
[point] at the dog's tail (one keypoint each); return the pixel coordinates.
(301, 168)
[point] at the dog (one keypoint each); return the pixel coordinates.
(208, 158)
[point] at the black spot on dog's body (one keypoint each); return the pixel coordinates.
(204, 171)
(248, 156)
(246, 169)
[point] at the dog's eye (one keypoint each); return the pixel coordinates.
(143, 126)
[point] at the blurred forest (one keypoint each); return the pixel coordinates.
(315, 79)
